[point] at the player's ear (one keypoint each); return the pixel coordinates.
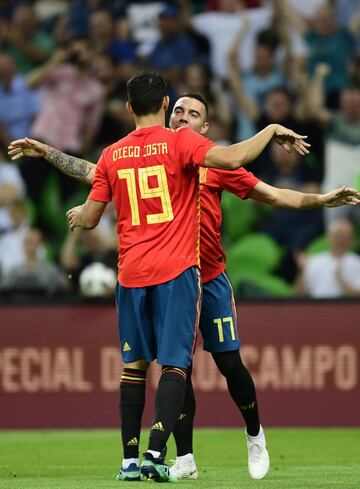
(204, 128)
(129, 108)
(166, 103)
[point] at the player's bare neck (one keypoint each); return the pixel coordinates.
(150, 120)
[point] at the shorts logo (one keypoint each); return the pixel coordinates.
(158, 426)
(126, 347)
(182, 416)
(133, 442)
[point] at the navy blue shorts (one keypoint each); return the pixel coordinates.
(218, 319)
(160, 321)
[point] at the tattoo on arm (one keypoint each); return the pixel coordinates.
(70, 165)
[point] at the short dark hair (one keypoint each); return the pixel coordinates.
(146, 92)
(200, 98)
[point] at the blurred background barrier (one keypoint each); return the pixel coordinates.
(60, 366)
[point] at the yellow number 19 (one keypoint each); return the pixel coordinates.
(161, 191)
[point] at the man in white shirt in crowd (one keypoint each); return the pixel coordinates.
(12, 187)
(334, 273)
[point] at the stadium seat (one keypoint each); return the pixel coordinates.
(255, 253)
(51, 251)
(51, 208)
(31, 211)
(79, 197)
(260, 285)
(239, 216)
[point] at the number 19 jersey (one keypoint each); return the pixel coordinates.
(152, 176)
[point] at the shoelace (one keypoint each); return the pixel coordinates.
(256, 451)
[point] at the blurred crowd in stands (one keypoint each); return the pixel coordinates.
(63, 71)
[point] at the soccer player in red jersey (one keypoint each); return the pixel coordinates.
(191, 111)
(218, 320)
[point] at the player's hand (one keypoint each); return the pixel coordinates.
(26, 147)
(74, 217)
(290, 140)
(341, 196)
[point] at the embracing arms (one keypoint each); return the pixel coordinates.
(239, 154)
(292, 199)
(222, 157)
(70, 165)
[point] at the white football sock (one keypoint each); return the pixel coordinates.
(185, 458)
(127, 461)
(154, 453)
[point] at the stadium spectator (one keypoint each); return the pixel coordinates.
(348, 15)
(103, 39)
(35, 274)
(334, 273)
(143, 21)
(11, 242)
(80, 11)
(61, 32)
(116, 121)
(22, 39)
(71, 110)
(282, 107)
(175, 50)
(250, 88)
(342, 142)
(355, 70)
(329, 43)
(221, 28)
(12, 187)
(292, 229)
(197, 79)
(71, 94)
(81, 248)
(18, 104)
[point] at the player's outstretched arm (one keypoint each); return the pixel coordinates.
(239, 154)
(74, 167)
(291, 199)
(86, 216)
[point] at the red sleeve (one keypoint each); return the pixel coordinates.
(192, 147)
(101, 188)
(239, 182)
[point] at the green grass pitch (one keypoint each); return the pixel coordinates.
(89, 459)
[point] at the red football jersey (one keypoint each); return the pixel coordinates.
(212, 183)
(152, 176)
